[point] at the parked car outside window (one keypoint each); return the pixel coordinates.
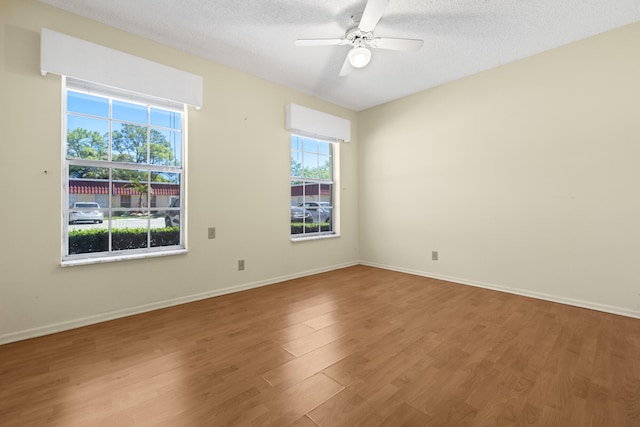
(299, 214)
(172, 218)
(320, 211)
(87, 212)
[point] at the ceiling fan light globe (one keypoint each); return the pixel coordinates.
(359, 57)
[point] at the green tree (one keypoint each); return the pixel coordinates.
(318, 172)
(324, 171)
(129, 145)
(321, 172)
(142, 188)
(296, 168)
(86, 144)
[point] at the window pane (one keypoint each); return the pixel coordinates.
(310, 145)
(166, 147)
(86, 172)
(296, 143)
(129, 143)
(310, 165)
(324, 168)
(324, 148)
(172, 214)
(297, 193)
(166, 119)
(296, 163)
(130, 189)
(300, 216)
(87, 138)
(95, 239)
(311, 191)
(161, 233)
(87, 104)
(326, 207)
(165, 188)
(130, 197)
(318, 201)
(87, 213)
(129, 234)
(87, 190)
(166, 177)
(128, 112)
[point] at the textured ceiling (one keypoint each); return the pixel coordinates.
(461, 37)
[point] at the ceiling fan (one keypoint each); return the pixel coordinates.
(360, 36)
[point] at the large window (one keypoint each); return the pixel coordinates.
(124, 171)
(312, 187)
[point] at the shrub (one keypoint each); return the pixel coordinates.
(90, 240)
(309, 227)
(167, 236)
(97, 239)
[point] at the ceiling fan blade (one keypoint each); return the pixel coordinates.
(406, 45)
(372, 13)
(347, 68)
(319, 42)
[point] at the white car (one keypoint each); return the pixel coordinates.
(86, 212)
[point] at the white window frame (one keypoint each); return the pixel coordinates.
(333, 182)
(69, 84)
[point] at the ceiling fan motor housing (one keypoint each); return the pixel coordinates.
(356, 36)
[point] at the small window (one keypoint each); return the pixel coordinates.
(312, 187)
(124, 173)
(125, 201)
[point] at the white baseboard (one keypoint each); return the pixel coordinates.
(538, 295)
(90, 320)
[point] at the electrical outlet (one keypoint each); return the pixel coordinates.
(212, 232)
(434, 255)
(240, 264)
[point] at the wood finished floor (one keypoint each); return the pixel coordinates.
(354, 347)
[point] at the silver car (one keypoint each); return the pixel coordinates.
(320, 211)
(299, 214)
(86, 212)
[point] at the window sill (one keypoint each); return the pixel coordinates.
(318, 237)
(102, 260)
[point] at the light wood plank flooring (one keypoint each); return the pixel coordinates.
(354, 347)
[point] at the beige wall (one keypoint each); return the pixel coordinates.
(238, 182)
(525, 177)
